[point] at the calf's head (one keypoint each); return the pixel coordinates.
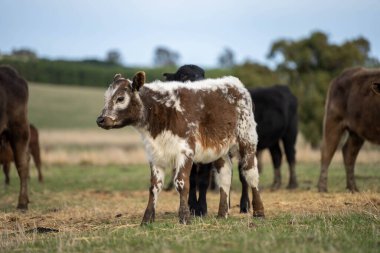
(122, 102)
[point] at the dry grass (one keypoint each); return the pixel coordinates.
(124, 147)
(92, 210)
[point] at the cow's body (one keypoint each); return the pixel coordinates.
(352, 105)
(182, 123)
(14, 124)
(7, 157)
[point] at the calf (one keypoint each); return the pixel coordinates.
(14, 124)
(353, 106)
(6, 154)
(181, 124)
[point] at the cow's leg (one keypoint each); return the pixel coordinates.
(332, 133)
(203, 183)
(244, 199)
(223, 168)
(193, 189)
(251, 174)
(350, 152)
(182, 185)
(35, 152)
(289, 141)
(276, 154)
(156, 182)
(19, 140)
(6, 169)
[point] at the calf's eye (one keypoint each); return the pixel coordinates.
(119, 99)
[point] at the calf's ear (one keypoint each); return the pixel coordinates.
(116, 77)
(376, 88)
(138, 80)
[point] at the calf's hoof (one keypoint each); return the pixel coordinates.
(184, 216)
(222, 216)
(148, 217)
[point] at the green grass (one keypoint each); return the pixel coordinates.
(343, 231)
(62, 107)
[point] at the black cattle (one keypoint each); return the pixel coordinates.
(186, 73)
(276, 117)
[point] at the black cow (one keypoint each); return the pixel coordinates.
(186, 73)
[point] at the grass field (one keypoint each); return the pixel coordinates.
(99, 209)
(96, 190)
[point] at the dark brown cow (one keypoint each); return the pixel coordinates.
(180, 124)
(352, 105)
(14, 124)
(6, 154)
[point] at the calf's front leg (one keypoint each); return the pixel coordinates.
(156, 183)
(182, 184)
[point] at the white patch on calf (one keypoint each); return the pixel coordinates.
(252, 175)
(206, 84)
(246, 125)
(179, 184)
(166, 150)
(223, 178)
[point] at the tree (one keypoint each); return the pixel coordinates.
(24, 54)
(113, 57)
(164, 57)
(311, 63)
(227, 58)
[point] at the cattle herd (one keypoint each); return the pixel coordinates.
(195, 126)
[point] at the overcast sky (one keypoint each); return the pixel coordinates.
(197, 29)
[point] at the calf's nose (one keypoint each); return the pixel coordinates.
(100, 121)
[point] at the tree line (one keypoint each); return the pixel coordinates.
(306, 65)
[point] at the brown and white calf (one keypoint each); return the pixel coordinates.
(182, 123)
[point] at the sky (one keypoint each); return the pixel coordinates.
(198, 30)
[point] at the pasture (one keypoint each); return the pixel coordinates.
(96, 190)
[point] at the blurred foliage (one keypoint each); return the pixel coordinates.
(309, 65)
(164, 57)
(306, 65)
(226, 58)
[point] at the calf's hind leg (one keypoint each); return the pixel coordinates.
(251, 175)
(182, 185)
(223, 175)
